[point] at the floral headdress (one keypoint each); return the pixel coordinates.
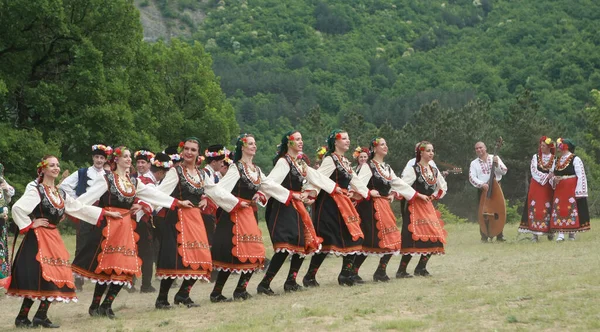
(200, 160)
(41, 165)
(102, 149)
(565, 144)
(161, 164)
(144, 154)
(358, 151)
(118, 152)
(321, 152)
(242, 141)
(215, 154)
(180, 147)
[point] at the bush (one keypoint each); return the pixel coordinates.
(449, 217)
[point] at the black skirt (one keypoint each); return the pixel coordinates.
(330, 225)
(27, 280)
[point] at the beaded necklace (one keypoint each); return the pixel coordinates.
(344, 162)
(562, 164)
(129, 190)
(246, 169)
(380, 171)
(299, 164)
(54, 197)
(427, 174)
(191, 180)
(545, 166)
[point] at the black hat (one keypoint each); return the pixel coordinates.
(162, 161)
(143, 154)
(173, 153)
(215, 153)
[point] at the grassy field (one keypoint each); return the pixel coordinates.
(516, 285)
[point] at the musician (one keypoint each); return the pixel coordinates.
(479, 175)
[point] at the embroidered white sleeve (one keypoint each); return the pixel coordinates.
(24, 206)
(581, 189)
(539, 177)
(408, 175)
(473, 172)
(326, 169)
(400, 187)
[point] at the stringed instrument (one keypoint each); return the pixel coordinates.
(492, 206)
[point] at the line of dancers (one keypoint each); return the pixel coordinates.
(206, 221)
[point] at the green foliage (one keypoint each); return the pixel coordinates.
(447, 216)
(73, 74)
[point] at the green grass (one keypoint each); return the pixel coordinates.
(517, 285)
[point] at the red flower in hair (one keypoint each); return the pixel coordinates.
(338, 136)
(422, 147)
(118, 151)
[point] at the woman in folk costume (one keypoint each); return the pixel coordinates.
(290, 226)
(237, 244)
(378, 223)
(538, 208)
(360, 156)
(334, 216)
(422, 229)
(41, 268)
(184, 248)
(6, 194)
(109, 257)
(570, 213)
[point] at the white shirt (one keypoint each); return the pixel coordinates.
(479, 171)
(541, 177)
(69, 184)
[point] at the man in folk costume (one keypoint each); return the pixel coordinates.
(570, 212)
(479, 175)
(215, 156)
(159, 165)
(76, 185)
(143, 157)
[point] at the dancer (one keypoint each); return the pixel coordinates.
(238, 245)
(378, 223)
(184, 249)
(290, 226)
(334, 216)
(109, 257)
(570, 213)
(538, 207)
(422, 229)
(360, 156)
(6, 194)
(76, 185)
(41, 268)
(215, 156)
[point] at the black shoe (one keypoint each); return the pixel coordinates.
(381, 277)
(162, 304)
(357, 279)
(242, 296)
(218, 298)
(403, 275)
(44, 323)
(22, 322)
(308, 282)
(93, 311)
(345, 280)
(265, 290)
(187, 301)
(148, 289)
(291, 287)
(500, 239)
(108, 312)
(422, 273)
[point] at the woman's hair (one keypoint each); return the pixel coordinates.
(333, 136)
(372, 145)
(282, 148)
(421, 147)
(241, 141)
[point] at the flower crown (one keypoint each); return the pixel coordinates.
(356, 152)
(107, 149)
(118, 152)
(547, 140)
(144, 153)
(321, 152)
(561, 144)
(215, 154)
(244, 139)
(42, 164)
(161, 164)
